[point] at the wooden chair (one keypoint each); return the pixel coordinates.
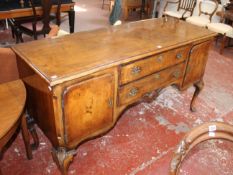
(207, 9)
(36, 24)
(226, 30)
(130, 5)
(184, 8)
(206, 131)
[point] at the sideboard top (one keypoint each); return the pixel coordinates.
(78, 54)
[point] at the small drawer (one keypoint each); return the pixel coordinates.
(133, 91)
(138, 69)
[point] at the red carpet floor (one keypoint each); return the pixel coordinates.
(143, 140)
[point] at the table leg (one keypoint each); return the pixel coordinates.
(198, 87)
(224, 41)
(26, 137)
(63, 158)
(71, 20)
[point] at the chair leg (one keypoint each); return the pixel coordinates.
(224, 40)
(31, 127)
(34, 31)
(18, 35)
(26, 137)
(16, 32)
(12, 32)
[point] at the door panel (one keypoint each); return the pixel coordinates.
(88, 108)
(197, 62)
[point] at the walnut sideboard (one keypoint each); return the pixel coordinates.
(78, 85)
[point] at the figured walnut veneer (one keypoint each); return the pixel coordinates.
(78, 85)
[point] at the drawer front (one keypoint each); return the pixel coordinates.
(138, 69)
(133, 91)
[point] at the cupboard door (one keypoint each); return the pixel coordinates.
(197, 62)
(88, 108)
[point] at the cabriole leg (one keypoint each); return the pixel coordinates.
(63, 158)
(198, 87)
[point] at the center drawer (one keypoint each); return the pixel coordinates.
(133, 91)
(138, 69)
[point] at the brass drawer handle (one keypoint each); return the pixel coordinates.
(133, 92)
(159, 59)
(157, 76)
(179, 56)
(176, 74)
(136, 70)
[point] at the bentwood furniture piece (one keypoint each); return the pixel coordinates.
(78, 85)
(184, 8)
(199, 134)
(12, 115)
(13, 9)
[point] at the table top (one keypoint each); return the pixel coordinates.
(12, 97)
(79, 54)
(12, 9)
(6, 5)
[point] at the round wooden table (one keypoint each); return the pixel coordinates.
(12, 114)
